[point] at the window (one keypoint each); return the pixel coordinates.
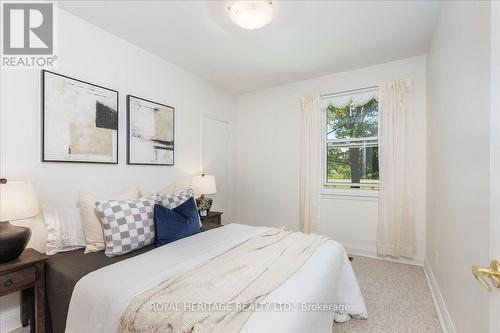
(351, 140)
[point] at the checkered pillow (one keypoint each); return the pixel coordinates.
(172, 201)
(127, 224)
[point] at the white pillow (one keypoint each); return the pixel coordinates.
(177, 186)
(64, 229)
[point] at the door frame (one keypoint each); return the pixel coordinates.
(228, 215)
(495, 157)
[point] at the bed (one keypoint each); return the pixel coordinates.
(85, 295)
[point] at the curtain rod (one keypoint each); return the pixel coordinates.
(345, 92)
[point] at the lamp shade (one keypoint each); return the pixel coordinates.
(18, 200)
(204, 184)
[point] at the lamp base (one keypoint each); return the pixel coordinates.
(13, 241)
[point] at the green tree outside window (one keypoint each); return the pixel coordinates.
(352, 144)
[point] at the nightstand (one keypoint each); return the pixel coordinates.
(27, 274)
(211, 221)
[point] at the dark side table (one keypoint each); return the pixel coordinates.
(27, 275)
(211, 221)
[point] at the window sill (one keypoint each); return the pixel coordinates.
(349, 194)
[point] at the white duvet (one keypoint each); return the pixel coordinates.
(327, 278)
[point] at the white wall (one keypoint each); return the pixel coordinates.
(458, 161)
(267, 156)
(91, 54)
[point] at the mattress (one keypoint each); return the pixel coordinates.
(63, 271)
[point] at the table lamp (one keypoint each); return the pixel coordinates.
(18, 201)
(204, 184)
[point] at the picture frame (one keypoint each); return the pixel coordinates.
(150, 132)
(79, 120)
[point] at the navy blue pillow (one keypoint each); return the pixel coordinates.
(177, 223)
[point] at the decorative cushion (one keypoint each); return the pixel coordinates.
(172, 201)
(91, 226)
(177, 223)
(128, 224)
(64, 229)
(175, 199)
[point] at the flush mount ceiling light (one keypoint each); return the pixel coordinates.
(250, 14)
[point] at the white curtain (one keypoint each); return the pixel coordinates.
(309, 165)
(396, 225)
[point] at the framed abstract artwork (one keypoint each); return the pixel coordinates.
(79, 121)
(150, 132)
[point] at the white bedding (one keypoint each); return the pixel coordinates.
(100, 297)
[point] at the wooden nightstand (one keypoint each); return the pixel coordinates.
(211, 221)
(27, 274)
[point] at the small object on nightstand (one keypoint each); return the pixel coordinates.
(27, 274)
(204, 184)
(18, 201)
(211, 221)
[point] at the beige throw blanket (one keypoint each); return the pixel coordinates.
(245, 274)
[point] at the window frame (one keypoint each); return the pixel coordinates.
(325, 185)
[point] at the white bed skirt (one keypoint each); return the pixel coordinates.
(304, 303)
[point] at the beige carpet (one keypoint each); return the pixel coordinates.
(397, 297)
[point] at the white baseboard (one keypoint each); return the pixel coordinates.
(9, 320)
(371, 252)
(442, 311)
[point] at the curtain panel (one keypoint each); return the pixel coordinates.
(309, 165)
(396, 221)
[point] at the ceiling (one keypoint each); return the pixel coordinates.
(306, 39)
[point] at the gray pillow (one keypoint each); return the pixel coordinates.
(128, 225)
(174, 200)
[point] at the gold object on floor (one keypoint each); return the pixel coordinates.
(492, 272)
